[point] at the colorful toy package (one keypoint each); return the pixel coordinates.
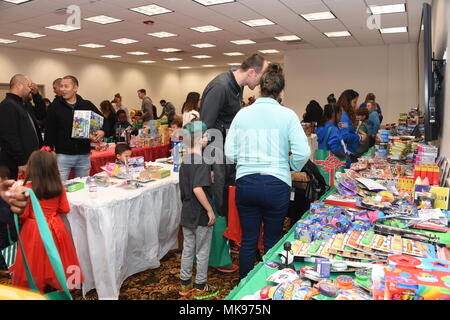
(85, 123)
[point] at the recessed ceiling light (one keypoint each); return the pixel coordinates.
(184, 68)
(234, 64)
(233, 54)
(30, 35)
(7, 41)
(269, 51)
(146, 61)
(17, 1)
(110, 56)
(151, 10)
(258, 22)
(173, 59)
(64, 49)
(208, 65)
(92, 45)
(338, 34)
(203, 45)
(201, 57)
(63, 28)
(394, 8)
(162, 34)
(288, 38)
(169, 50)
(124, 41)
(241, 42)
(394, 30)
(318, 16)
(206, 29)
(102, 19)
(137, 53)
(213, 2)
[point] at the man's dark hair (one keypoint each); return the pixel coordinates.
(163, 101)
(121, 148)
(57, 81)
(142, 91)
(74, 80)
(119, 112)
(255, 61)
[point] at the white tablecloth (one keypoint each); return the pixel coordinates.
(121, 232)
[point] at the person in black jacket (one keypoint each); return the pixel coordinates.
(313, 112)
(110, 116)
(19, 130)
(71, 153)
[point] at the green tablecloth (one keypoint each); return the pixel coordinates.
(256, 279)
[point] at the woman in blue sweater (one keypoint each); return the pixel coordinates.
(348, 123)
(260, 139)
(328, 134)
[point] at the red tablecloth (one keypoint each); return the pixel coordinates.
(100, 158)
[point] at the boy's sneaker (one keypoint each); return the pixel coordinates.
(228, 270)
(207, 292)
(186, 289)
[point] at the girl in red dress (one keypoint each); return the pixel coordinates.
(43, 177)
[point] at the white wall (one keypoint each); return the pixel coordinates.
(388, 71)
(441, 42)
(99, 80)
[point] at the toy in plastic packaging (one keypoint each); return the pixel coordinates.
(281, 276)
(85, 124)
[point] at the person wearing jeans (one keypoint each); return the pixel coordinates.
(71, 153)
(260, 139)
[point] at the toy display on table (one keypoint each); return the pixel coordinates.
(74, 186)
(85, 124)
(154, 172)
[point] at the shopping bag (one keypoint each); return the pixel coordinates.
(9, 253)
(50, 248)
(328, 163)
(219, 255)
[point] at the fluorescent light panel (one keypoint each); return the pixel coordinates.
(394, 30)
(213, 2)
(146, 61)
(102, 19)
(394, 8)
(151, 10)
(288, 38)
(17, 1)
(7, 41)
(64, 49)
(184, 68)
(338, 34)
(63, 28)
(31, 35)
(203, 45)
(233, 54)
(234, 64)
(169, 50)
(208, 65)
(269, 51)
(242, 42)
(110, 56)
(258, 22)
(325, 15)
(137, 53)
(208, 28)
(92, 45)
(162, 34)
(201, 57)
(124, 41)
(173, 59)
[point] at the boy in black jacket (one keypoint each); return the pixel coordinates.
(71, 153)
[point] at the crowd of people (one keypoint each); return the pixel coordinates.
(260, 144)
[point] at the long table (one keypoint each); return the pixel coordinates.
(100, 158)
(121, 232)
(256, 279)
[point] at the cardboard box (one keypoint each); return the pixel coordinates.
(85, 123)
(74, 186)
